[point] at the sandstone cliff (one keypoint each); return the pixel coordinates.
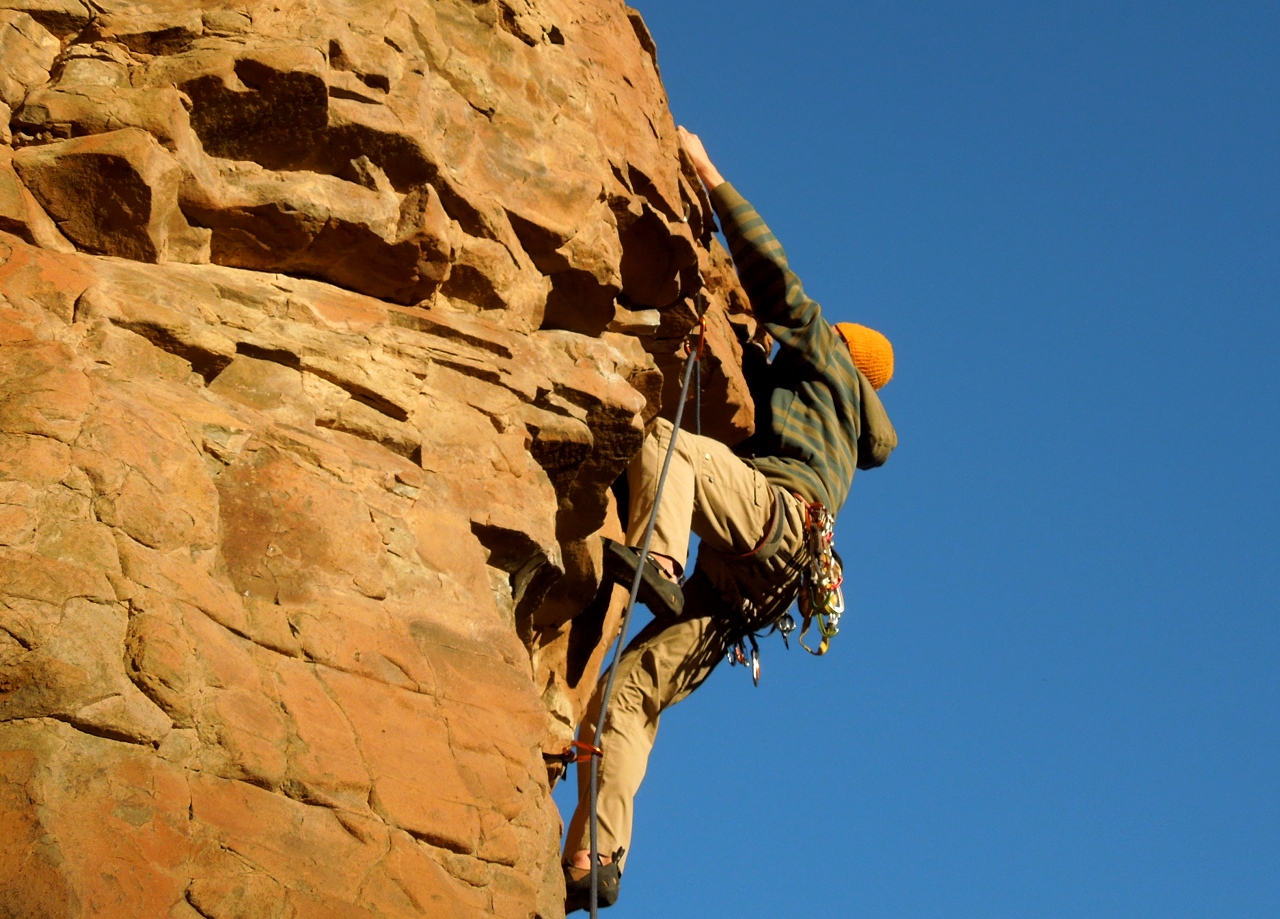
(325, 326)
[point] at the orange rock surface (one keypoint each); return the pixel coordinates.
(325, 329)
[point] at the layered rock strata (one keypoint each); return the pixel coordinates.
(324, 330)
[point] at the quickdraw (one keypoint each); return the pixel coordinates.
(737, 654)
(785, 626)
(577, 752)
(820, 595)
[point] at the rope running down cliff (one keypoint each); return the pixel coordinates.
(694, 360)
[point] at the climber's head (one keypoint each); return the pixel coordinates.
(871, 351)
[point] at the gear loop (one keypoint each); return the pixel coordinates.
(821, 596)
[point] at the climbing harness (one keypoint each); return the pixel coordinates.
(821, 597)
(692, 362)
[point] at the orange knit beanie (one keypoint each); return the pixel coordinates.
(872, 353)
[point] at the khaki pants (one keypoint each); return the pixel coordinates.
(730, 505)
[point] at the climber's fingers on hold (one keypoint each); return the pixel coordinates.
(697, 152)
(693, 145)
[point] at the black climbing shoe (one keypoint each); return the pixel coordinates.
(656, 592)
(577, 890)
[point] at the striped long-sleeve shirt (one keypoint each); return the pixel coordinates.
(817, 417)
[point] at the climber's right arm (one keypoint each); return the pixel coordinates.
(706, 169)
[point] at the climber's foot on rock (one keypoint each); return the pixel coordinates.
(577, 882)
(658, 589)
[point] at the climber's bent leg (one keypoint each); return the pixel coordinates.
(733, 502)
(661, 666)
(671, 528)
(709, 490)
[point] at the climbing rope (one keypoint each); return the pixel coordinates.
(697, 385)
(693, 361)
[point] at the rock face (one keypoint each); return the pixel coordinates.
(325, 328)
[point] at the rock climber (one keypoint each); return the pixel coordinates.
(818, 417)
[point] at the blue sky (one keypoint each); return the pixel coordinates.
(1058, 694)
